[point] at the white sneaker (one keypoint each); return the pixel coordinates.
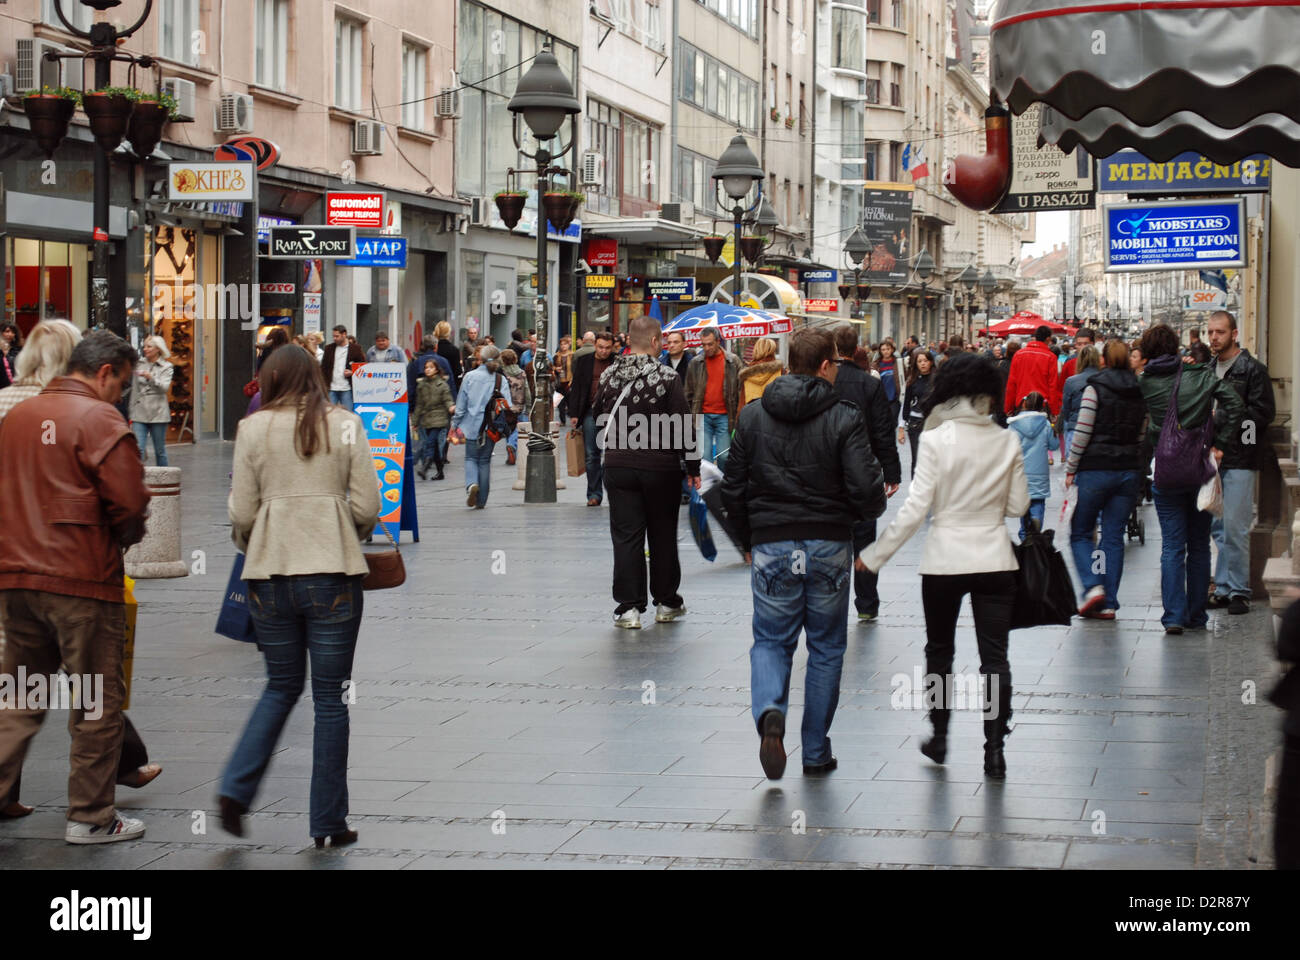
(665, 614)
(121, 828)
(1093, 601)
(471, 495)
(630, 620)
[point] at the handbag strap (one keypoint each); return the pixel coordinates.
(600, 440)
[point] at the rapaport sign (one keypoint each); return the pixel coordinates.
(1184, 234)
(312, 243)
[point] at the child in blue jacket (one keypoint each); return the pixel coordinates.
(1035, 429)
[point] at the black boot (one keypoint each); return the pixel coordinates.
(423, 469)
(438, 475)
(997, 728)
(936, 748)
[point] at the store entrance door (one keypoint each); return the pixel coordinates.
(501, 303)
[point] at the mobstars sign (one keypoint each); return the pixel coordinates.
(1183, 234)
(311, 243)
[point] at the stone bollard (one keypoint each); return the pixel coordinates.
(521, 458)
(159, 553)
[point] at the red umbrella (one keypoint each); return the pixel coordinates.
(1023, 323)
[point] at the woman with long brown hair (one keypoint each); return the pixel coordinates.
(304, 493)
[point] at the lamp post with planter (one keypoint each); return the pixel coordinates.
(968, 278)
(544, 98)
(856, 248)
(924, 270)
(736, 174)
(988, 283)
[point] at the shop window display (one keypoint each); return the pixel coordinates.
(175, 306)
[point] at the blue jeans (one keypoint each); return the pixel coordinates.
(1037, 510)
(1112, 493)
(800, 585)
(715, 438)
(434, 438)
(1231, 534)
(478, 467)
(1184, 557)
(158, 431)
(315, 616)
(595, 472)
(512, 441)
(341, 398)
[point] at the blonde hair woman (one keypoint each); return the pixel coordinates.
(449, 352)
(150, 409)
(763, 369)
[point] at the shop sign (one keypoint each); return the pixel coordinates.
(1204, 300)
(317, 241)
(311, 312)
(818, 276)
(1175, 235)
(365, 210)
(264, 224)
(379, 399)
(187, 180)
(378, 252)
(600, 281)
(821, 306)
(279, 288)
(1046, 178)
(264, 153)
(1129, 172)
(670, 288)
(602, 252)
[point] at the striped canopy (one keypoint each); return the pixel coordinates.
(731, 322)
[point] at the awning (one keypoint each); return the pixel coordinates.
(646, 231)
(1106, 131)
(1227, 60)
(730, 322)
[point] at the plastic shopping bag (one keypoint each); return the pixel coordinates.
(1210, 497)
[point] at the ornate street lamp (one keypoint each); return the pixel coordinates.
(924, 270)
(544, 98)
(969, 278)
(988, 283)
(736, 173)
(764, 224)
(856, 248)
(103, 38)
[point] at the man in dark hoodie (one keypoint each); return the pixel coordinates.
(799, 476)
(648, 439)
(866, 393)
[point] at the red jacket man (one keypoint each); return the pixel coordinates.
(1086, 337)
(1033, 368)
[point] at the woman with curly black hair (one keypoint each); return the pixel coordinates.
(970, 475)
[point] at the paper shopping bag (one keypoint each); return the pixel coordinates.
(575, 453)
(128, 651)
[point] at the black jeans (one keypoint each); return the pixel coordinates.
(865, 596)
(992, 596)
(643, 504)
(1286, 826)
(914, 438)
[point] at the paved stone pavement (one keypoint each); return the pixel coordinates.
(500, 722)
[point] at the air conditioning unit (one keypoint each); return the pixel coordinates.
(33, 71)
(368, 138)
(480, 211)
(593, 168)
(683, 212)
(234, 113)
(183, 92)
(447, 104)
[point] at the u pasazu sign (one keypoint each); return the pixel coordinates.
(209, 181)
(1175, 235)
(311, 243)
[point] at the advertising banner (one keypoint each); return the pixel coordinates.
(887, 223)
(1046, 178)
(1129, 172)
(378, 252)
(364, 210)
(821, 306)
(602, 252)
(819, 276)
(379, 399)
(1174, 235)
(671, 288)
(187, 180)
(311, 313)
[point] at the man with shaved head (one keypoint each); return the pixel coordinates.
(649, 443)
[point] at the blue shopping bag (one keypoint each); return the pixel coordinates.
(234, 620)
(698, 515)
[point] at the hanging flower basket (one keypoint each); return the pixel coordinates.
(864, 291)
(49, 113)
(560, 209)
(510, 205)
(109, 112)
(713, 247)
(846, 291)
(575, 201)
(789, 123)
(752, 248)
(146, 126)
(774, 114)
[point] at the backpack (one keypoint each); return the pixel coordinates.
(1182, 454)
(498, 419)
(518, 391)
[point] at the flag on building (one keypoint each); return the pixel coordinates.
(920, 168)
(1216, 279)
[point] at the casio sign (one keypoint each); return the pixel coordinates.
(311, 243)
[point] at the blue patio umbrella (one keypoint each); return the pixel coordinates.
(655, 313)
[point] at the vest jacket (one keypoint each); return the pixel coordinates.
(1117, 424)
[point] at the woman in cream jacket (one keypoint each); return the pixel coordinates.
(304, 493)
(970, 477)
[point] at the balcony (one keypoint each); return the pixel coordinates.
(873, 91)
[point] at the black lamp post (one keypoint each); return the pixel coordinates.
(103, 38)
(736, 174)
(969, 278)
(924, 270)
(988, 283)
(856, 249)
(544, 97)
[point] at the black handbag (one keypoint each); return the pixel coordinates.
(1044, 592)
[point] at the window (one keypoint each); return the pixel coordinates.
(602, 129)
(873, 11)
(272, 43)
(851, 123)
(716, 88)
(625, 14)
(693, 182)
(79, 16)
(414, 104)
(741, 14)
(898, 14)
(846, 39)
(654, 26)
(178, 23)
(872, 91)
(347, 63)
(896, 86)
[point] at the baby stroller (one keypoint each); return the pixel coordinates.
(1137, 528)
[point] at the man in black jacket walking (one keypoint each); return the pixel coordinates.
(799, 476)
(1242, 459)
(865, 392)
(586, 380)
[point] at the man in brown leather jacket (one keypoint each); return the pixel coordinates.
(76, 500)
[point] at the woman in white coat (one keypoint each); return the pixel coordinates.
(970, 476)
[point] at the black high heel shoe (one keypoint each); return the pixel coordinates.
(337, 839)
(231, 812)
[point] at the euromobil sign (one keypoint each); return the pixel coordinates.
(364, 210)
